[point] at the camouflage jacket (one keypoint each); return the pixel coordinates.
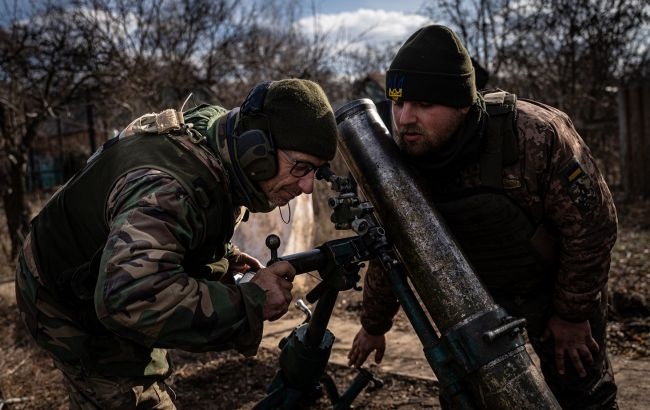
(144, 299)
(556, 176)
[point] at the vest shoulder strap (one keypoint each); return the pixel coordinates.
(501, 144)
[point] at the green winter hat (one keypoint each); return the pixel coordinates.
(432, 66)
(299, 117)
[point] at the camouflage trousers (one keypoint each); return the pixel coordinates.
(92, 392)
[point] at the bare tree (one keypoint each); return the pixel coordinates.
(573, 53)
(160, 52)
(484, 26)
(44, 65)
(264, 43)
(150, 52)
(566, 52)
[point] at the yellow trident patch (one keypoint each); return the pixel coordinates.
(395, 86)
(395, 93)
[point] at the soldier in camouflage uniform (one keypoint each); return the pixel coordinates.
(132, 256)
(520, 192)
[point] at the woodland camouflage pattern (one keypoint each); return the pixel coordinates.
(91, 393)
(144, 299)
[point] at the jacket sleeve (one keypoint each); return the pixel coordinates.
(143, 292)
(579, 208)
(379, 304)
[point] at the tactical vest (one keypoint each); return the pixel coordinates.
(510, 250)
(70, 233)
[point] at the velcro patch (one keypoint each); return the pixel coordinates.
(579, 185)
(395, 89)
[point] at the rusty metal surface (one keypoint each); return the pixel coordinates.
(439, 271)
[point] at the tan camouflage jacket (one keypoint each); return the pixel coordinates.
(556, 174)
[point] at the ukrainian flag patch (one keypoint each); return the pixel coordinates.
(579, 185)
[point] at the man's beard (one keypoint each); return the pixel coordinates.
(430, 142)
(454, 144)
(423, 146)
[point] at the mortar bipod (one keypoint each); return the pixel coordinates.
(306, 351)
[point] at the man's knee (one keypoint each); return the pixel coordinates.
(91, 392)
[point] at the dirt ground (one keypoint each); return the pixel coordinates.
(229, 381)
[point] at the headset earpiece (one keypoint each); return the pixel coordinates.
(254, 102)
(256, 155)
(254, 149)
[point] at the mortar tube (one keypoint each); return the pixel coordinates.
(441, 275)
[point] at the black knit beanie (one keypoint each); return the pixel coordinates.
(432, 66)
(299, 117)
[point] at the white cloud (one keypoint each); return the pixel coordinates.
(364, 25)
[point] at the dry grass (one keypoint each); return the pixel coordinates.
(226, 380)
(26, 373)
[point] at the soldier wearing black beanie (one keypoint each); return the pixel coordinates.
(432, 66)
(522, 196)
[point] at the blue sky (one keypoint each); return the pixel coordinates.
(337, 6)
(352, 20)
(355, 22)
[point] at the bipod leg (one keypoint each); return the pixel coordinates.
(358, 384)
(303, 360)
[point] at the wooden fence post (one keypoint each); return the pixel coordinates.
(634, 131)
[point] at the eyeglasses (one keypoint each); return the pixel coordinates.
(299, 168)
